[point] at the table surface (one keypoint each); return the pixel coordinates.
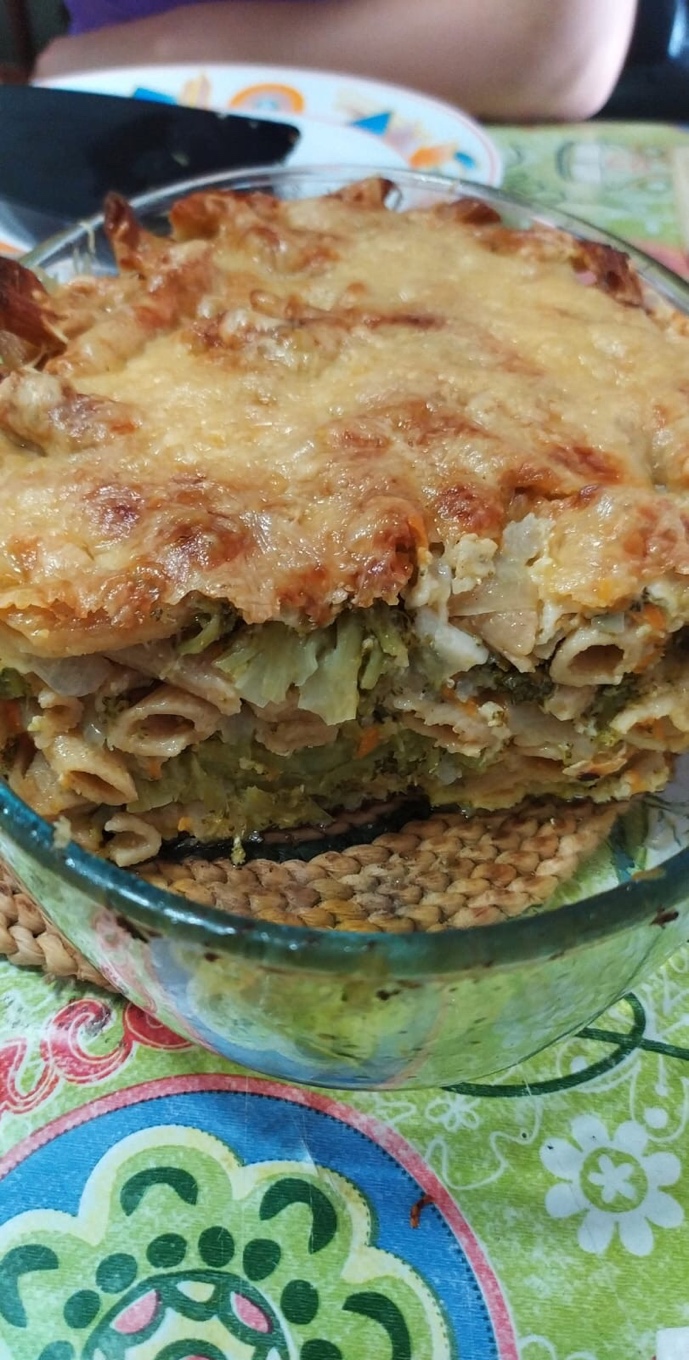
(156, 1201)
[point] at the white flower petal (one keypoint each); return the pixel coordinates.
(635, 1233)
(596, 1230)
(562, 1201)
(631, 1137)
(672, 1343)
(614, 1180)
(562, 1159)
(589, 1131)
(656, 1117)
(662, 1168)
(662, 1210)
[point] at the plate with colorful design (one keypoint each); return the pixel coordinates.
(342, 118)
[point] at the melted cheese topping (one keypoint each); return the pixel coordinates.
(289, 404)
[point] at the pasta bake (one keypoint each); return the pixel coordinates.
(314, 503)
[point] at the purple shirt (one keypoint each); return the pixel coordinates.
(86, 15)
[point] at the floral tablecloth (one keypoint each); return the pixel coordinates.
(157, 1203)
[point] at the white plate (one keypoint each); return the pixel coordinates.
(341, 118)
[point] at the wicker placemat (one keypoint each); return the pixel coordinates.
(448, 871)
(29, 941)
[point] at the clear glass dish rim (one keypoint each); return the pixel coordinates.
(651, 899)
(451, 951)
(659, 274)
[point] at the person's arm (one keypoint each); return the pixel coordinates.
(501, 59)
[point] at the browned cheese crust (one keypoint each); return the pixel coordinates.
(285, 404)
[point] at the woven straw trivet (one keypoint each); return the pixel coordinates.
(448, 871)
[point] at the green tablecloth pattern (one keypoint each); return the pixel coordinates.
(631, 179)
(158, 1202)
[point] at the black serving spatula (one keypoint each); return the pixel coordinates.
(61, 151)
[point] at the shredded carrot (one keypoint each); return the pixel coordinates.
(367, 742)
(153, 767)
(184, 824)
(635, 781)
(654, 616)
(657, 730)
(650, 656)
